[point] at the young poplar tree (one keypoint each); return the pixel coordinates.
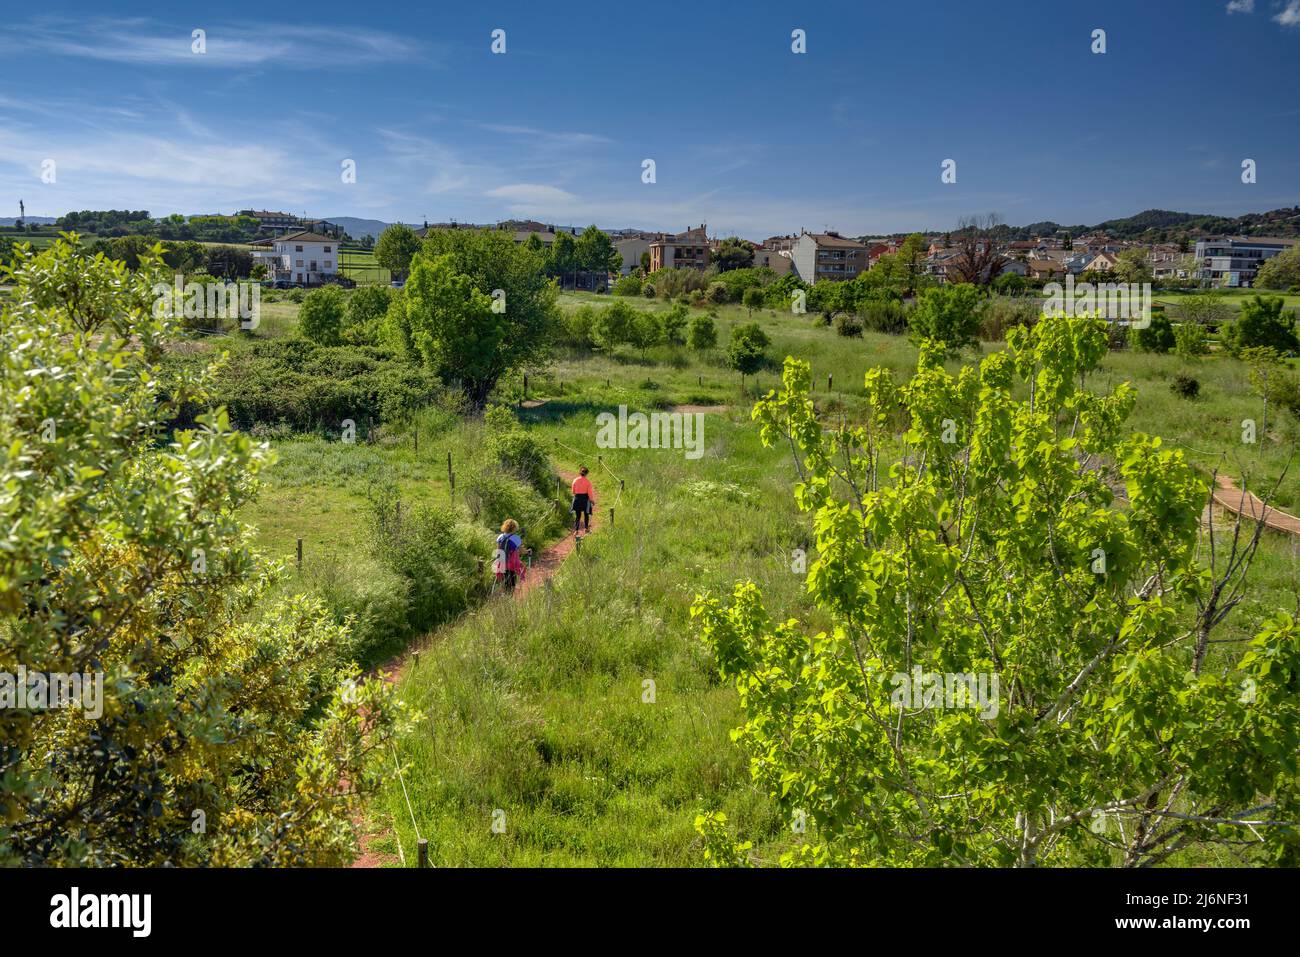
(1017, 529)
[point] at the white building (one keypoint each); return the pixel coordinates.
(308, 258)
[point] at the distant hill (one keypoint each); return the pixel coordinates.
(1163, 225)
(357, 228)
(35, 220)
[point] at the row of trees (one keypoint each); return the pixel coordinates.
(114, 223)
(585, 260)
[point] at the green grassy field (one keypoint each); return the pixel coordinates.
(540, 710)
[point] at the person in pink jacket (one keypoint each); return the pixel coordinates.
(584, 500)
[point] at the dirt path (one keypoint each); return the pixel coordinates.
(1251, 506)
(543, 568)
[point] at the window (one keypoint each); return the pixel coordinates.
(297, 249)
(327, 249)
(313, 265)
(328, 266)
(298, 263)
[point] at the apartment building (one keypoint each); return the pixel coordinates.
(1235, 261)
(778, 261)
(684, 250)
(307, 258)
(828, 255)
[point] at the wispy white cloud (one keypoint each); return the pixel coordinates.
(1241, 6)
(237, 45)
(1289, 16)
(532, 195)
(551, 137)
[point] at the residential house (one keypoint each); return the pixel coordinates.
(829, 255)
(303, 257)
(685, 250)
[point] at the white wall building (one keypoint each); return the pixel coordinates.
(308, 258)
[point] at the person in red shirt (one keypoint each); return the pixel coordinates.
(584, 500)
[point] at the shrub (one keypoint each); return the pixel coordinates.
(847, 324)
(493, 496)
(1263, 324)
(578, 328)
(306, 386)
(1156, 336)
(1185, 386)
(647, 290)
(1002, 314)
(948, 314)
(436, 557)
(296, 295)
(366, 308)
(884, 315)
(703, 333)
(717, 293)
(321, 317)
(516, 451)
(629, 285)
(374, 603)
(1190, 340)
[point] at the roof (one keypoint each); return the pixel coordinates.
(305, 237)
(828, 239)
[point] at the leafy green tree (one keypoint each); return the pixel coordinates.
(615, 325)
(1010, 284)
(1263, 323)
(950, 314)
(747, 350)
(518, 331)
(1190, 340)
(229, 727)
(703, 334)
(595, 254)
(753, 299)
(320, 318)
(674, 323)
(1281, 271)
(732, 253)
(1157, 336)
(367, 306)
(395, 248)
(909, 262)
(563, 258)
(645, 330)
(1131, 266)
(1015, 666)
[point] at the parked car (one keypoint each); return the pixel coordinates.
(337, 280)
(285, 284)
(398, 283)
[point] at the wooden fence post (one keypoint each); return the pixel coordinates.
(300, 554)
(611, 516)
(451, 477)
(423, 851)
(830, 380)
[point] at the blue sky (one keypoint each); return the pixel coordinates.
(746, 135)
